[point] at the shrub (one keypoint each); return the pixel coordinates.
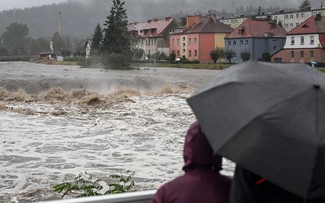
(116, 61)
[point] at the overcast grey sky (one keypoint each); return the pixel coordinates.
(11, 4)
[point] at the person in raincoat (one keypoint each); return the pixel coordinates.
(202, 182)
(248, 187)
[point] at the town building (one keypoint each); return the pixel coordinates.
(305, 43)
(153, 35)
(288, 20)
(200, 36)
(255, 37)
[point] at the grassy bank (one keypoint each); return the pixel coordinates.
(190, 66)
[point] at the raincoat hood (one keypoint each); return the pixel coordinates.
(198, 152)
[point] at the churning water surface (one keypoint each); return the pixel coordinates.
(59, 121)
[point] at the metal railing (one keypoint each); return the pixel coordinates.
(130, 197)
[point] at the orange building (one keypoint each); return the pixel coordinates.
(200, 36)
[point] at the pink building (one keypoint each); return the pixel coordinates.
(200, 36)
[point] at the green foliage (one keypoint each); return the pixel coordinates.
(115, 61)
(14, 39)
(172, 57)
(305, 4)
(58, 43)
(85, 185)
(97, 38)
(217, 54)
(138, 54)
(266, 56)
(245, 56)
(158, 56)
(229, 54)
(117, 38)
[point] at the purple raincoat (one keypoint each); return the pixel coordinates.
(202, 182)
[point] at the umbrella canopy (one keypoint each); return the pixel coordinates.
(270, 119)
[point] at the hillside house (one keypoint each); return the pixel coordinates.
(304, 43)
(255, 36)
(200, 36)
(153, 35)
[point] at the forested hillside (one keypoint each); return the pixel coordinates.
(80, 17)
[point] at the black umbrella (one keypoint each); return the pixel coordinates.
(270, 119)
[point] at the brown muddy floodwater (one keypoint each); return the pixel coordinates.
(59, 121)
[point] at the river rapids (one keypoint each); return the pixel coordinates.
(59, 121)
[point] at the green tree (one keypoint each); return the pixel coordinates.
(58, 43)
(245, 56)
(229, 54)
(305, 4)
(138, 54)
(97, 38)
(172, 57)
(117, 38)
(14, 39)
(217, 54)
(266, 56)
(214, 56)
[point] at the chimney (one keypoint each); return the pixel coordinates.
(193, 20)
(318, 17)
(168, 18)
(213, 17)
(149, 21)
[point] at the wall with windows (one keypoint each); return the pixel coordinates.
(299, 56)
(193, 47)
(302, 41)
(255, 46)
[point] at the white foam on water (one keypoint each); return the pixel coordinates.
(143, 133)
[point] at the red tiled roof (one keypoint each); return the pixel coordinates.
(210, 25)
(151, 28)
(257, 28)
(310, 26)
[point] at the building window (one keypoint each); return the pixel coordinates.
(234, 43)
(275, 17)
(195, 40)
(297, 24)
(286, 16)
(274, 48)
(246, 42)
(184, 39)
(286, 25)
(292, 40)
(241, 42)
(177, 41)
(311, 54)
(302, 15)
(184, 44)
(291, 15)
(189, 40)
(297, 15)
(302, 40)
(229, 43)
(291, 25)
(173, 41)
(190, 53)
(183, 51)
(302, 54)
(195, 52)
(292, 54)
(312, 41)
(178, 54)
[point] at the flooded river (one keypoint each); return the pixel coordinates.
(59, 121)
